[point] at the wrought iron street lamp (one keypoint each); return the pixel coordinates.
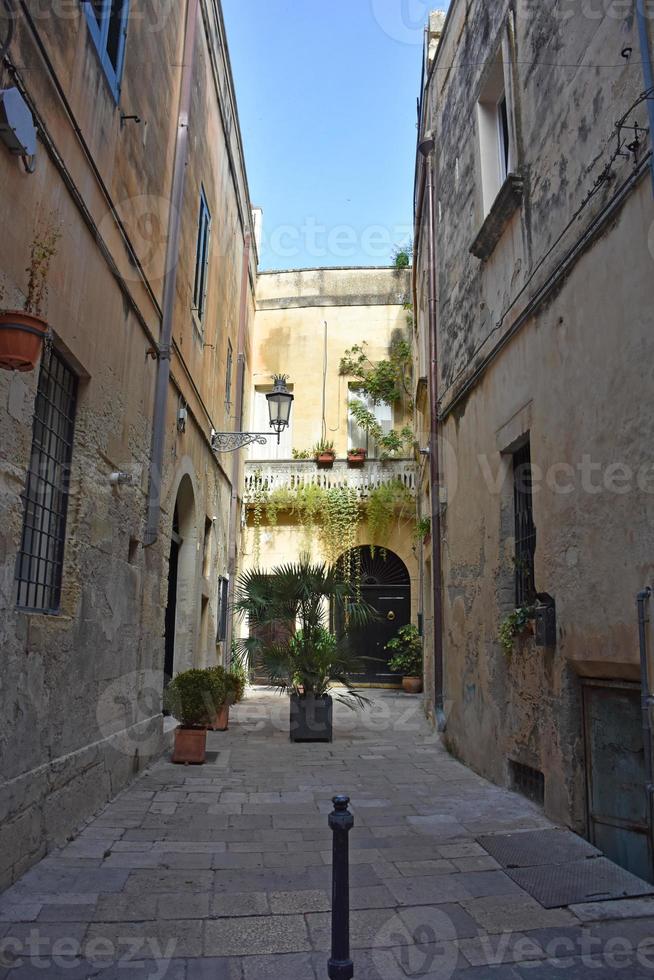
(279, 401)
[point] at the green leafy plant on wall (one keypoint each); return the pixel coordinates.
(423, 528)
(514, 625)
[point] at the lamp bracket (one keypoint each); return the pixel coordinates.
(229, 442)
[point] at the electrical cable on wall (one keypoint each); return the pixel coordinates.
(10, 30)
(324, 385)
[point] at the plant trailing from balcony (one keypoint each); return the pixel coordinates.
(390, 502)
(342, 516)
(302, 454)
(516, 624)
(22, 333)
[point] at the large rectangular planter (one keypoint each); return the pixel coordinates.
(190, 746)
(311, 719)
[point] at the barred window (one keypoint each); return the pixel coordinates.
(223, 586)
(525, 530)
(40, 559)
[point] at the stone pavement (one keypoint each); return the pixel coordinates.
(223, 872)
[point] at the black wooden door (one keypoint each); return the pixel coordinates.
(171, 611)
(393, 607)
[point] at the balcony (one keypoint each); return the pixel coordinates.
(290, 474)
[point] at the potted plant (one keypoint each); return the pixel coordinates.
(308, 663)
(22, 332)
(356, 457)
(519, 623)
(229, 688)
(407, 647)
(324, 453)
(191, 697)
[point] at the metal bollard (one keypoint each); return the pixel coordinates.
(341, 822)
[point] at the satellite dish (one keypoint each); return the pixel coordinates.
(17, 129)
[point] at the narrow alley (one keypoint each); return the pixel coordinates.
(222, 871)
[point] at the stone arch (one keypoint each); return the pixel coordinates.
(182, 618)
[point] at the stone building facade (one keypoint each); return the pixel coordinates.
(305, 322)
(541, 210)
(139, 170)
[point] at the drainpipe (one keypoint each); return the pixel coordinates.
(648, 72)
(646, 700)
(234, 507)
(170, 281)
(426, 148)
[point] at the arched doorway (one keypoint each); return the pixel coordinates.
(386, 586)
(181, 609)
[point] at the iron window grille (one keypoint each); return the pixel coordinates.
(223, 585)
(202, 258)
(39, 565)
(107, 20)
(525, 530)
(528, 781)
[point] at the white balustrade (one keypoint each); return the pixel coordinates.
(290, 474)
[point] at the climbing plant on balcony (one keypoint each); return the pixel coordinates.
(389, 502)
(388, 381)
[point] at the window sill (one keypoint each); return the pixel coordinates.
(504, 206)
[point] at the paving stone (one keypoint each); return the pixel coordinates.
(368, 928)
(240, 904)
(428, 890)
(413, 869)
(125, 908)
(284, 903)
(506, 913)
(172, 938)
(256, 936)
(162, 880)
(289, 966)
(211, 968)
(625, 908)
(504, 948)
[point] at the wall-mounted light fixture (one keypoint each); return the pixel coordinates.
(279, 401)
(182, 417)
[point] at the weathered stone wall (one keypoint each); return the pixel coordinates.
(80, 694)
(572, 370)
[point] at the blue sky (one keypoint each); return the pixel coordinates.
(327, 103)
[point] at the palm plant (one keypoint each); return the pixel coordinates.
(299, 596)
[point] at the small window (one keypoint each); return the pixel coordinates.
(202, 258)
(228, 377)
(496, 150)
(525, 530)
(107, 20)
(40, 560)
(223, 587)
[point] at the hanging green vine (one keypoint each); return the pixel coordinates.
(332, 515)
(389, 503)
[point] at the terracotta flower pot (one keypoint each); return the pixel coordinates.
(221, 721)
(190, 746)
(21, 340)
(412, 685)
(356, 459)
(325, 459)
